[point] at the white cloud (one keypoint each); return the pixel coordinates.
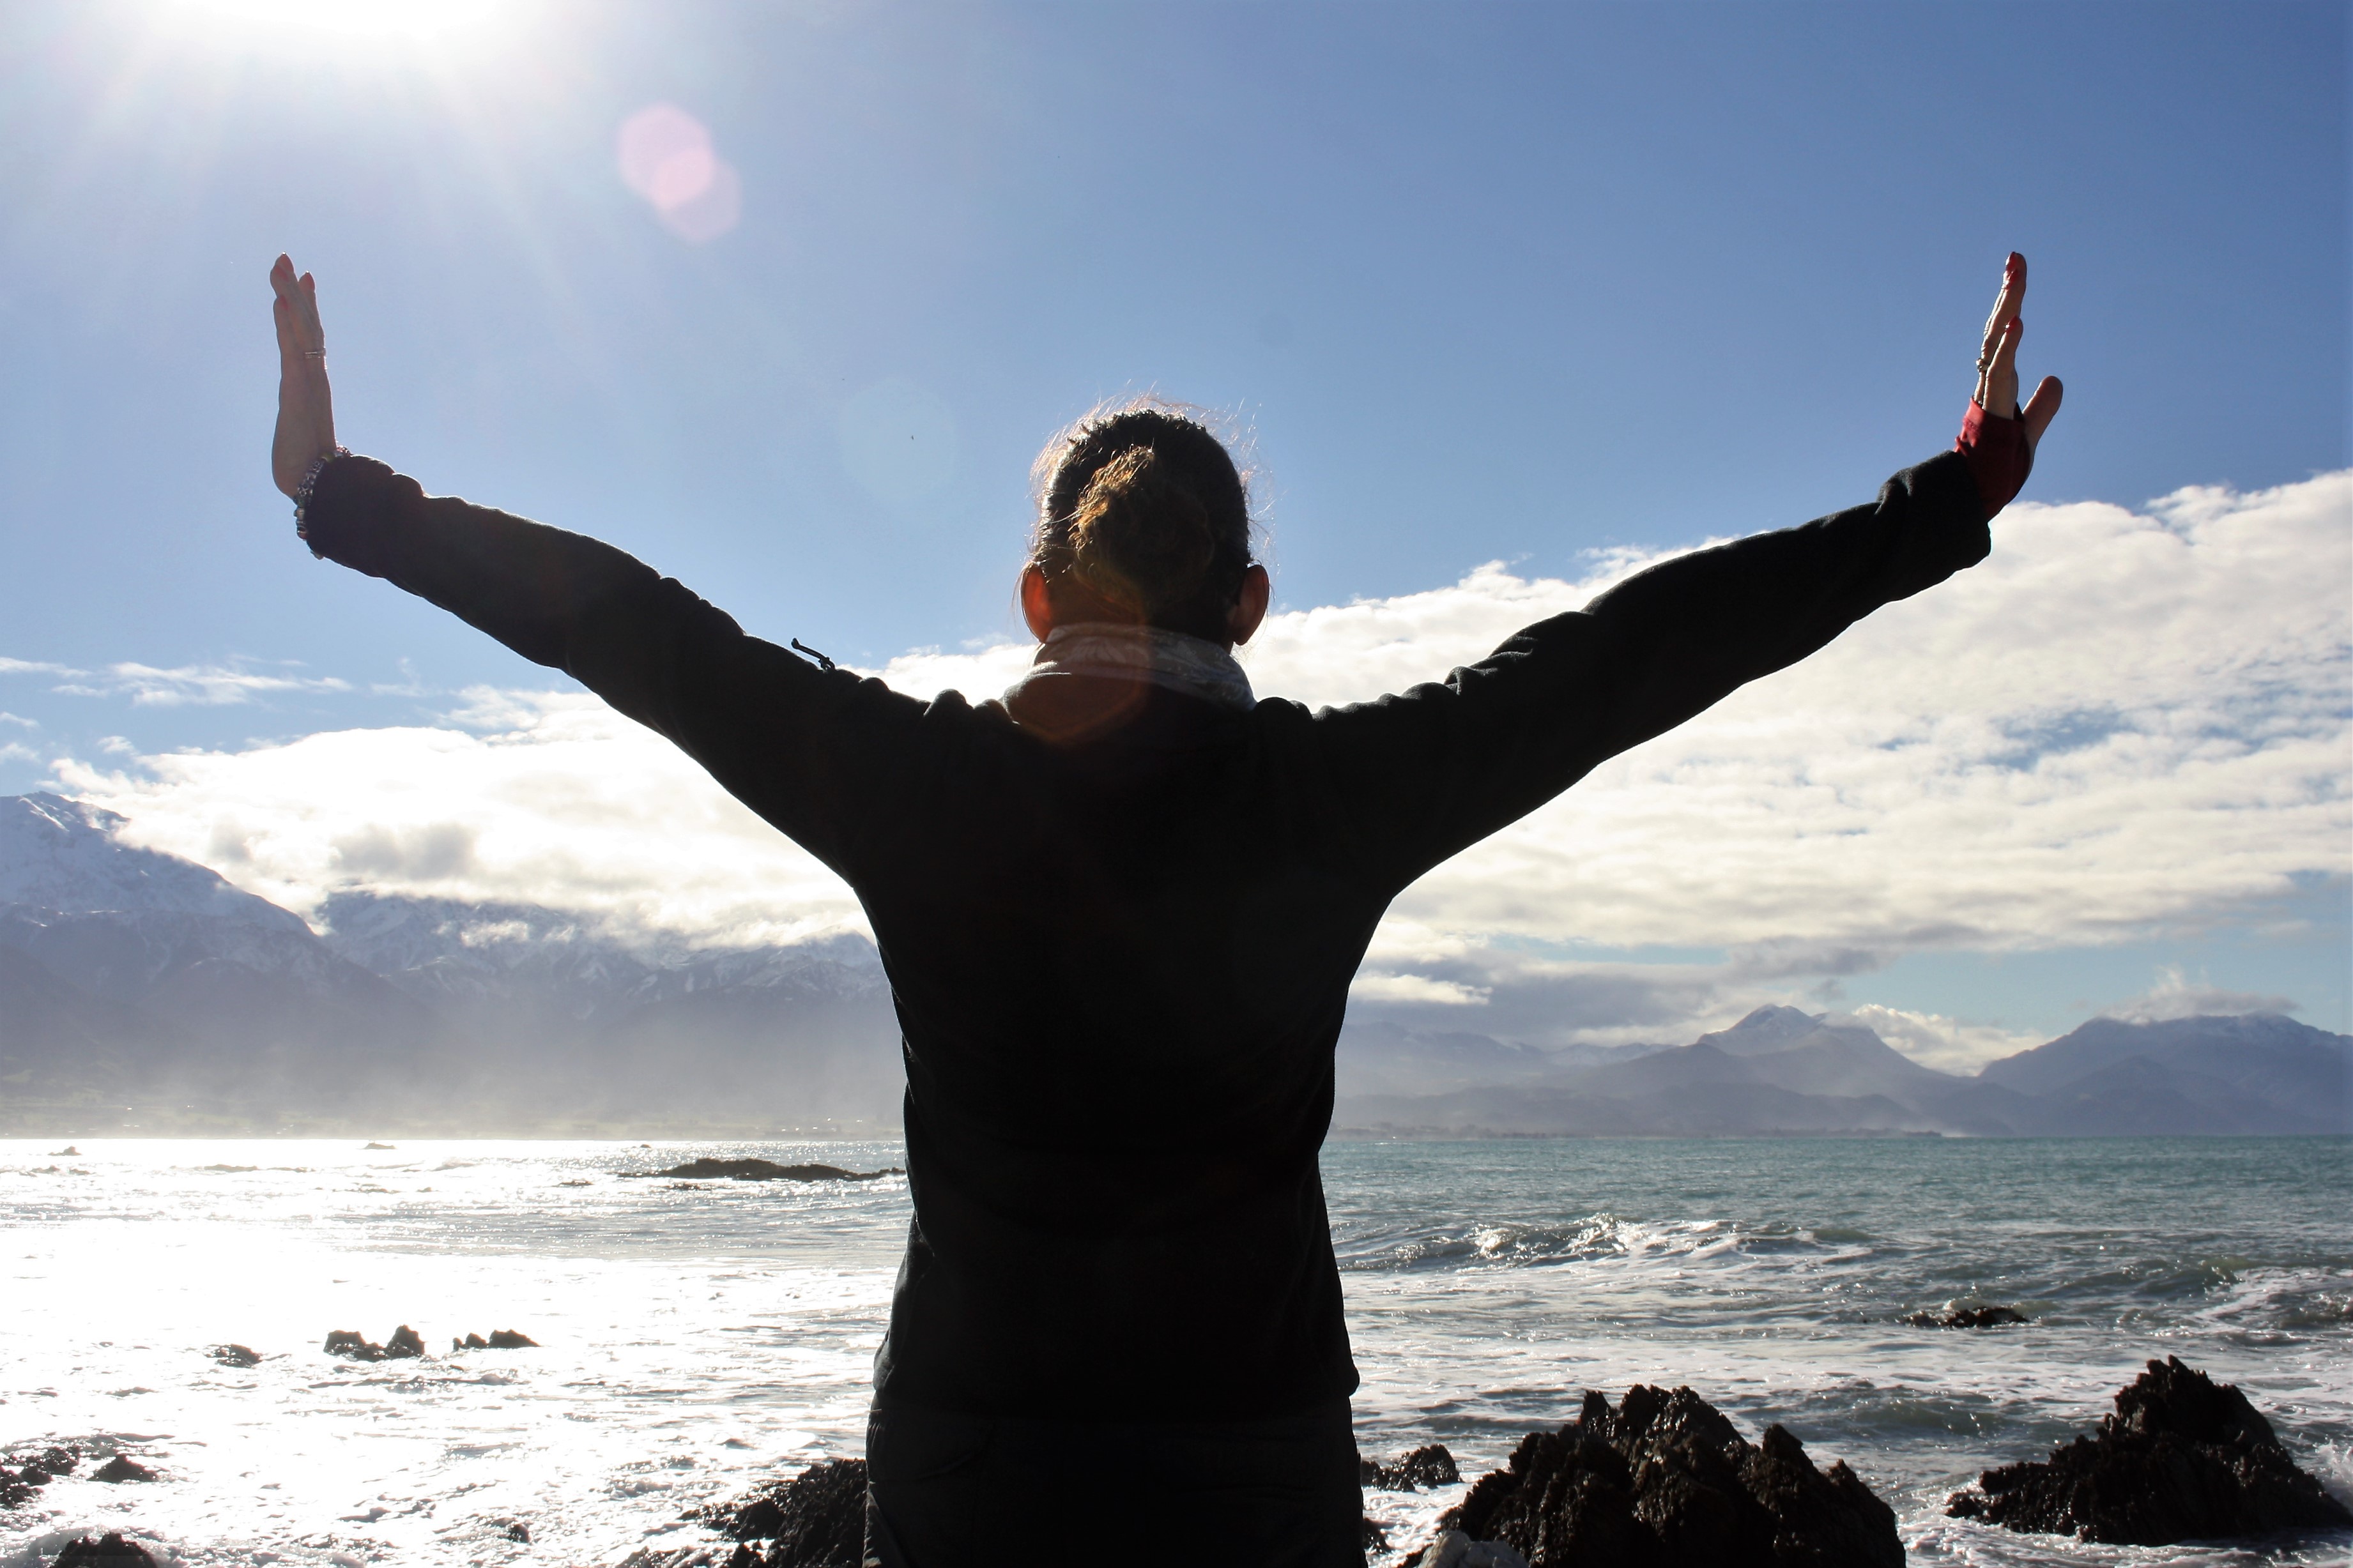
(207, 685)
(1936, 1041)
(25, 723)
(547, 798)
(1373, 986)
(2175, 996)
(2125, 723)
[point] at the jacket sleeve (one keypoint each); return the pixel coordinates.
(1423, 775)
(810, 750)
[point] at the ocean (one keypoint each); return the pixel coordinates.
(695, 1340)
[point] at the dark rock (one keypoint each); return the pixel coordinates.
(122, 1468)
(404, 1344)
(2183, 1458)
(107, 1552)
(1664, 1481)
(1426, 1467)
(507, 1339)
(33, 1475)
(470, 1343)
(1373, 1537)
(15, 1493)
(68, 1152)
(817, 1520)
(353, 1346)
(1968, 1317)
(768, 1171)
(236, 1355)
(518, 1531)
(59, 1460)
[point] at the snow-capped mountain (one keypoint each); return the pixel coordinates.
(61, 854)
(129, 976)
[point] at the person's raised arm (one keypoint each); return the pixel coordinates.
(810, 750)
(1440, 766)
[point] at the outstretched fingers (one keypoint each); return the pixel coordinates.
(1998, 356)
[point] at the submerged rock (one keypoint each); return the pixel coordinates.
(236, 1355)
(21, 1478)
(1664, 1481)
(404, 1344)
(768, 1171)
(109, 1550)
(351, 1345)
(817, 1520)
(122, 1468)
(388, 1147)
(1968, 1317)
(1430, 1466)
(2183, 1458)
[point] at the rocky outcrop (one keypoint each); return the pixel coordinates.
(1430, 1465)
(1664, 1481)
(1968, 1318)
(404, 1344)
(22, 1476)
(353, 1345)
(767, 1171)
(236, 1355)
(2183, 1458)
(122, 1468)
(108, 1550)
(509, 1340)
(817, 1520)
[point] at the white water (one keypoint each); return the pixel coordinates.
(695, 1342)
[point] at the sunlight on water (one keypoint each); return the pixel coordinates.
(696, 1337)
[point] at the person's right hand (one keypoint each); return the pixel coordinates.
(306, 411)
(1997, 391)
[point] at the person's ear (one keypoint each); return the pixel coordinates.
(1243, 619)
(1037, 603)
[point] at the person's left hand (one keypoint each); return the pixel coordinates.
(1997, 391)
(306, 410)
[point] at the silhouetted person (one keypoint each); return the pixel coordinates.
(1120, 909)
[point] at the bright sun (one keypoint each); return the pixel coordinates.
(440, 21)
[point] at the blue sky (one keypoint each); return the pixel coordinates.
(1488, 282)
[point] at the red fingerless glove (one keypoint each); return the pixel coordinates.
(1998, 454)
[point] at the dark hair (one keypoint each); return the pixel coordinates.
(1142, 507)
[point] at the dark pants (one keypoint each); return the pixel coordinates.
(949, 1491)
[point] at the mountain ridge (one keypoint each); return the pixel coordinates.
(128, 974)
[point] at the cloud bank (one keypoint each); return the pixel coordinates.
(2125, 723)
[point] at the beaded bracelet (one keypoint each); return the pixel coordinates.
(311, 482)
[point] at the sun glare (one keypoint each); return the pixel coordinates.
(384, 21)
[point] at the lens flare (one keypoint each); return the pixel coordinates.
(665, 155)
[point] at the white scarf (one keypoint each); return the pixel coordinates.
(1188, 664)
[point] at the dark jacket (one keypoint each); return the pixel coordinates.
(1120, 960)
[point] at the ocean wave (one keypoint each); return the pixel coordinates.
(1594, 1237)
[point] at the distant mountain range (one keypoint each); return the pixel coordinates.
(1783, 1072)
(140, 992)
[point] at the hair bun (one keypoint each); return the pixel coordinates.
(1145, 509)
(1140, 535)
